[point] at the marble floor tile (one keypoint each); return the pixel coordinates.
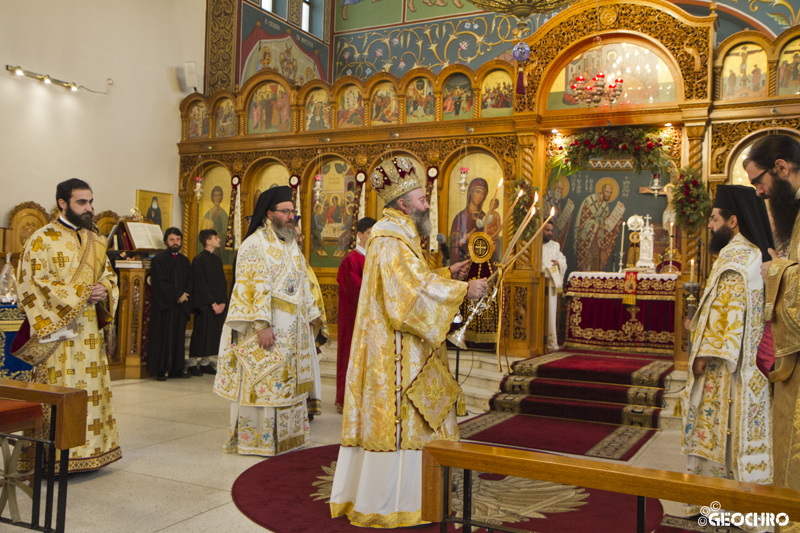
(225, 518)
(137, 431)
(203, 408)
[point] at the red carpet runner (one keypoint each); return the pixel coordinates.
(598, 404)
(290, 494)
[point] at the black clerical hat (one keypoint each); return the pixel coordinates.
(750, 211)
(268, 199)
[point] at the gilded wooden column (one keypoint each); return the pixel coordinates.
(717, 83)
(367, 112)
(527, 145)
(241, 122)
(187, 198)
(334, 112)
(772, 78)
(438, 114)
(695, 134)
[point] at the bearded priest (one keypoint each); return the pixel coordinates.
(266, 353)
(399, 392)
(69, 294)
(727, 422)
(773, 167)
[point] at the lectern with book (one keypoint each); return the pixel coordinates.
(140, 241)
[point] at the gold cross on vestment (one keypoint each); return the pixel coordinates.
(53, 234)
(27, 299)
(35, 266)
(60, 259)
(91, 342)
(96, 426)
(63, 310)
(435, 391)
(93, 369)
(110, 422)
(95, 398)
(41, 322)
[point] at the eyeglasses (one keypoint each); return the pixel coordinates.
(755, 181)
(291, 212)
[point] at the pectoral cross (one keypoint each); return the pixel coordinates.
(53, 234)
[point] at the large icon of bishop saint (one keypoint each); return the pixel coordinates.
(598, 227)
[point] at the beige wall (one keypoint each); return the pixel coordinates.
(119, 142)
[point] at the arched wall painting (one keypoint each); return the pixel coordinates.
(420, 101)
(497, 95)
(285, 56)
(198, 121)
(744, 72)
(384, 105)
(647, 80)
(270, 176)
(789, 69)
(351, 108)
(224, 119)
(269, 110)
(331, 214)
(214, 208)
(457, 98)
(474, 211)
(318, 111)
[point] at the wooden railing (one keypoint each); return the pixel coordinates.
(67, 430)
(733, 496)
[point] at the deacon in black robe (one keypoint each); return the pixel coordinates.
(171, 281)
(209, 291)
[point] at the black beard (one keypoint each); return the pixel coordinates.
(720, 239)
(422, 220)
(284, 231)
(784, 208)
(81, 221)
(175, 248)
(546, 239)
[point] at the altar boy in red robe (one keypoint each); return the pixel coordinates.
(351, 270)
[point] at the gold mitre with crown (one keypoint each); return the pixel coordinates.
(393, 178)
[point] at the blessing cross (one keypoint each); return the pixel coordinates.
(647, 220)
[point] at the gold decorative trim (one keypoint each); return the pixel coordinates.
(601, 296)
(220, 47)
(618, 442)
(637, 416)
(393, 520)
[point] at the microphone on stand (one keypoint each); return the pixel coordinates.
(443, 247)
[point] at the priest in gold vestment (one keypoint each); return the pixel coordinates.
(69, 292)
(266, 353)
(727, 424)
(773, 167)
(399, 392)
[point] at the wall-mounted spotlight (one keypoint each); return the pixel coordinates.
(48, 80)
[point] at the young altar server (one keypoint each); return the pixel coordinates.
(209, 300)
(349, 277)
(727, 423)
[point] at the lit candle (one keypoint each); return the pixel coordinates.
(671, 233)
(691, 271)
(622, 241)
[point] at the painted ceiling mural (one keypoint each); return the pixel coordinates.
(268, 42)
(390, 36)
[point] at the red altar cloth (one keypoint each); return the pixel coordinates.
(598, 318)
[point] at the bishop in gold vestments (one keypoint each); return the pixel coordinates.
(399, 393)
(58, 268)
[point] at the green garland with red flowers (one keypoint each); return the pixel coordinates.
(690, 200)
(646, 149)
(523, 206)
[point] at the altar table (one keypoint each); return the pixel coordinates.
(598, 319)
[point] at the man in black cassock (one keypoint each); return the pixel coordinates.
(209, 300)
(171, 281)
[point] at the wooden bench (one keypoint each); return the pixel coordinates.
(67, 430)
(438, 457)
